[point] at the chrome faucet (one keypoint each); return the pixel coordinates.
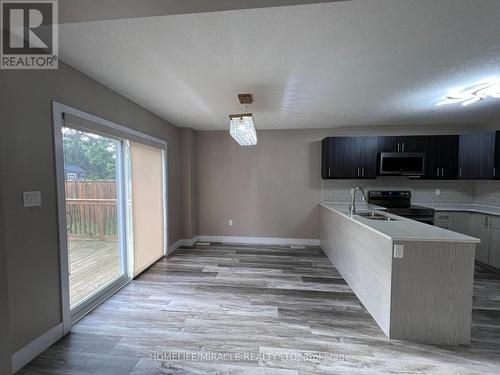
(352, 207)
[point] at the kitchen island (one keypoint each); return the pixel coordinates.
(416, 280)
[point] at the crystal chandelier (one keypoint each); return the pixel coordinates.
(242, 125)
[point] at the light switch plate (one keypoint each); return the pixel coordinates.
(438, 191)
(230, 222)
(32, 198)
(399, 251)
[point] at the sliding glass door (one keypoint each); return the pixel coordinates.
(94, 215)
(112, 207)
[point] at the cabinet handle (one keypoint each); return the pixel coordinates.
(398, 147)
(494, 171)
(403, 146)
(460, 172)
(358, 172)
(329, 174)
(442, 172)
(363, 172)
(437, 172)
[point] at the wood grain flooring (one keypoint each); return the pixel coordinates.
(257, 310)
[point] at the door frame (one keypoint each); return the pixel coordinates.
(58, 111)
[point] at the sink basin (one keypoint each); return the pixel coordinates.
(375, 216)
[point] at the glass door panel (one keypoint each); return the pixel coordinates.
(93, 207)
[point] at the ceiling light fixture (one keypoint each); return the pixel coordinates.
(473, 93)
(242, 125)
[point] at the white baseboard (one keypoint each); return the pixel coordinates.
(243, 240)
(182, 242)
(25, 355)
(260, 240)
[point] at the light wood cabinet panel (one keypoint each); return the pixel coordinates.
(494, 256)
(443, 220)
(475, 225)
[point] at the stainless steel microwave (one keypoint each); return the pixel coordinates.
(402, 164)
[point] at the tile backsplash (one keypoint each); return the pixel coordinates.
(487, 193)
(451, 192)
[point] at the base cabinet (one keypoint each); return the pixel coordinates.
(475, 225)
(443, 220)
(494, 256)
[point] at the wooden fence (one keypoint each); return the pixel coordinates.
(91, 210)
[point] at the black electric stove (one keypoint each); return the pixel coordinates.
(399, 203)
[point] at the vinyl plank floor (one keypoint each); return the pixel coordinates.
(243, 309)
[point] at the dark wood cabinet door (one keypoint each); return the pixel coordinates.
(441, 153)
(402, 143)
(349, 157)
(342, 157)
(448, 156)
(366, 152)
(432, 171)
(324, 159)
(487, 155)
(338, 158)
(477, 156)
(468, 156)
(497, 155)
(389, 144)
(415, 143)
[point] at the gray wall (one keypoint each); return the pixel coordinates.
(27, 152)
(188, 183)
(270, 190)
(5, 348)
(273, 189)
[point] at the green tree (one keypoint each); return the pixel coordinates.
(94, 154)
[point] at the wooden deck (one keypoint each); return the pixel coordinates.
(93, 264)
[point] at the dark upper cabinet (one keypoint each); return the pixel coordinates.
(468, 156)
(441, 154)
(365, 154)
(497, 155)
(477, 156)
(349, 157)
(341, 157)
(402, 144)
(337, 157)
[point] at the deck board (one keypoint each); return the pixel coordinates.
(93, 264)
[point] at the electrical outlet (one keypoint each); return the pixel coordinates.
(399, 251)
(32, 198)
(438, 191)
(230, 222)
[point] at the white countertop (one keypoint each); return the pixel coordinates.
(488, 210)
(399, 229)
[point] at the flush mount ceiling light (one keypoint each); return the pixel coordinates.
(474, 93)
(242, 125)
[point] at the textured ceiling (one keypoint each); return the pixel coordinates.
(341, 64)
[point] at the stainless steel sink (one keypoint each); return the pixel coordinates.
(375, 216)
